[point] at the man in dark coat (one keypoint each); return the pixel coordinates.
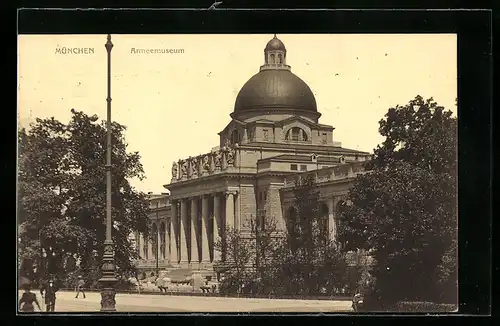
(49, 290)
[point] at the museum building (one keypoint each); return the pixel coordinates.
(273, 139)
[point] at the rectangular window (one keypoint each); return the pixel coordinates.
(324, 139)
(265, 195)
(293, 167)
(303, 168)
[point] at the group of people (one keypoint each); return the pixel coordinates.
(48, 292)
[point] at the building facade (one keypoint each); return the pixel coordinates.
(273, 138)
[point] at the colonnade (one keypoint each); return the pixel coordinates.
(196, 223)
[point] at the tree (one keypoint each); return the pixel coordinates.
(312, 260)
(237, 251)
(62, 191)
(250, 257)
(267, 242)
(405, 208)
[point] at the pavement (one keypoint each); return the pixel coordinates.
(66, 302)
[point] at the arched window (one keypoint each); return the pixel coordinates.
(296, 134)
(271, 58)
(235, 137)
(280, 59)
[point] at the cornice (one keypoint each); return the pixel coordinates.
(203, 179)
(301, 148)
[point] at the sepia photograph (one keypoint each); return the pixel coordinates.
(240, 173)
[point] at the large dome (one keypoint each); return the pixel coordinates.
(275, 89)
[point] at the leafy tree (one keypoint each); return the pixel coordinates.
(62, 191)
(267, 242)
(312, 260)
(300, 260)
(41, 197)
(405, 208)
(237, 251)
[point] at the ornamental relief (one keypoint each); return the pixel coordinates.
(206, 164)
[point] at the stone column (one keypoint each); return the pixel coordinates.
(184, 232)
(173, 234)
(237, 212)
(168, 252)
(229, 209)
(217, 226)
(151, 256)
(331, 218)
(139, 245)
(205, 231)
(194, 229)
(158, 242)
(141, 248)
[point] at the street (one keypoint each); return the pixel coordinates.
(66, 302)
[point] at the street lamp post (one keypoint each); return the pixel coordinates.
(108, 279)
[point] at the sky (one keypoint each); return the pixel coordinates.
(174, 104)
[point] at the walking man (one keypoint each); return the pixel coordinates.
(49, 290)
(80, 287)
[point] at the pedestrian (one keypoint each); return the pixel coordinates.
(357, 301)
(80, 287)
(159, 283)
(27, 299)
(49, 289)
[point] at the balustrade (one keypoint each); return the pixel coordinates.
(326, 174)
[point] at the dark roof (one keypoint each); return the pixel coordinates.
(270, 89)
(275, 44)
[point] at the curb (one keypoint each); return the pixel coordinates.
(217, 295)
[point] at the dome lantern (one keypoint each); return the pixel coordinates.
(275, 55)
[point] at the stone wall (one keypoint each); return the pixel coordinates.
(273, 205)
(248, 205)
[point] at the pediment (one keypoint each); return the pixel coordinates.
(293, 119)
(232, 123)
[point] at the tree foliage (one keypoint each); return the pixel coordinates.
(300, 260)
(62, 191)
(312, 260)
(237, 254)
(405, 208)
